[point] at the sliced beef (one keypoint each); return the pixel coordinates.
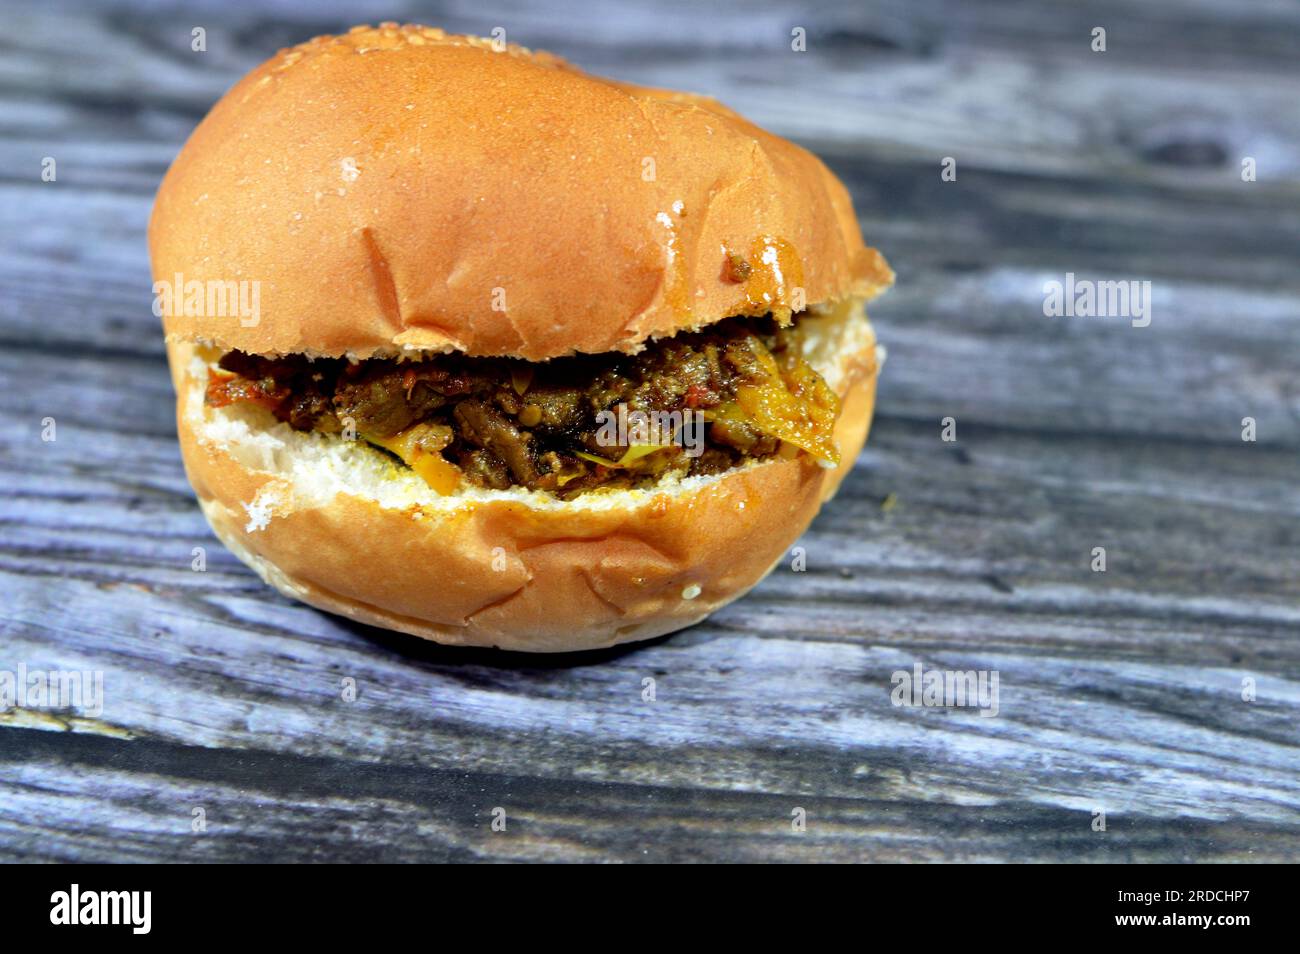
(557, 408)
(715, 460)
(484, 468)
(380, 402)
(537, 425)
(484, 426)
(744, 437)
(294, 389)
(312, 410)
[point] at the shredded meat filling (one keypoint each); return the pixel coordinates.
(735, 391)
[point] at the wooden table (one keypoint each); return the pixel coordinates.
(1120, 691)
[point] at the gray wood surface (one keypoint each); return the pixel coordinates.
(1119, 691)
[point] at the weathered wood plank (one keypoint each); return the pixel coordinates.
(287, 808)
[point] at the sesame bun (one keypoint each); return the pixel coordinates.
(398, 188)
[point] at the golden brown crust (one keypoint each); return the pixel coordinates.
(400, 188)
(504, 574)
(397, 187)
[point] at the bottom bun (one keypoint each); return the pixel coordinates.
(336, 525)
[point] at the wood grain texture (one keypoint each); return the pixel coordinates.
(1119, 691)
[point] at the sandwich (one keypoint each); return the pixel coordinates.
(472, 345)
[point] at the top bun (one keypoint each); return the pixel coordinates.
(399, 188)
